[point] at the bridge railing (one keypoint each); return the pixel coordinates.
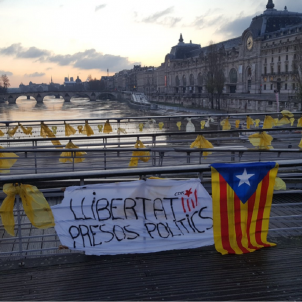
(31, 242)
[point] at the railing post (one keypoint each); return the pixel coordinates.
(35, 154)
(19, 223)
(73, 154)
(105, 160)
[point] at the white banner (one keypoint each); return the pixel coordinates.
(135, 217)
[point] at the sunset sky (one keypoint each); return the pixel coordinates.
(57, 38)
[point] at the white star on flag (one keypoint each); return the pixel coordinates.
(244, 178)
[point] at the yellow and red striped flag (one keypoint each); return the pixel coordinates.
(242, 197)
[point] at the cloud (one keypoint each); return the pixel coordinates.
(91, 59)
(99, 7)
(19, 52)
(208, 19)
(8, 73)
(35, 74)
(154, 18)
(160, 18)
(88, 59)
(49, 68)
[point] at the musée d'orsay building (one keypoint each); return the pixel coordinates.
(258, 62)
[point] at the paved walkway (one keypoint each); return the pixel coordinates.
(200, 274)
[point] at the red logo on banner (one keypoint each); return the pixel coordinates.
(190, 203)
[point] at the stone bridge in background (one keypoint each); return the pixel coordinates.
(66, 95)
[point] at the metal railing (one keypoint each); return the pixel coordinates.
(31, 242)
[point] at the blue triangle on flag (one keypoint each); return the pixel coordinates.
(244, 178)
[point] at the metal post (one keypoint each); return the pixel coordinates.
(119, 140)
(35, 154)
(19, 223)
(105, 166)
(73, 154)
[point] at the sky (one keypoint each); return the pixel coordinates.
(41, 39)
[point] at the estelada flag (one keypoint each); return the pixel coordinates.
(242, 197)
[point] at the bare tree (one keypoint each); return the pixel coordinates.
(214, 67)
(297, 67)
(4, 83)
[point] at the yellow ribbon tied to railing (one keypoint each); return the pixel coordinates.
(121, 130)
(6, 162)
(257, 122)
(292, 120)
(279, 184)
(249, 122)
(107, 127)
(178, 124)
(202, 124)
(12, 132)
(284, 120)
(54, 129)
(299, 124)
(34, 203)
(100, 128)
(202, 143)
(225, 124)
(69, 130)
(26, 131)
(87, 129)
(78, 156)
(80, 128)
(237, 123)
(46, 132)
(300, 145)
(141, 127)
(261, 140)
(139, 155)
(1, 133)
(161, 125)
(268, 122)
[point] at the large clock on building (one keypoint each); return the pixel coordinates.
(249, 43)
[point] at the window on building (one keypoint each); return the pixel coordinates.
(271, 86)
(294, 86)
(265, 60)
(279, 59)
(280, 48)
(265, 70)
(287, 48)
(272, 69)
(285, 86)
(286, 58)
(295, 56)
(270, 103)
(286, 68)
(264, 87)
(233, 76)
(272, 60)
(279, 69)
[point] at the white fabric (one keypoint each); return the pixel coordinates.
(135, 217)
(190, 126)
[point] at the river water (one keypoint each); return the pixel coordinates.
(58, 109)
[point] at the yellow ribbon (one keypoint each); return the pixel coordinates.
(202, 124)
(141, 127)
(257, 122)
(249, 122)
(139, 155)
(34, 203)
(161, 125)
(237, 122)
(6, 163)
(12, 132)
(100, 128)
(225, 124)
(80, 128)
(202, 143)
(178, 124)
(54, 129)
(292, 120)
(107, 127)
(88, 130)
(46, 132)
(299, 122)
(300, 145)
(261, 140)
(268, 122)
(279, 184)
(78, 155)
(69, 130)
(121, 130)
(26, 131)
(1, 133)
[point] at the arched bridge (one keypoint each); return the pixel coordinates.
(66, 95)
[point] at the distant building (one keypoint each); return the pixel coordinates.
(32, 87)
(70, 84)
